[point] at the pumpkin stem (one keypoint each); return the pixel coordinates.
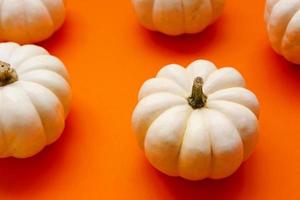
(198, 98)
(7, 74)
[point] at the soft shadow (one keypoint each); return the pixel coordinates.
(184, 44)
(19, 176)
(287, 73)
(62, 37)
(181, 189)
(177, 188)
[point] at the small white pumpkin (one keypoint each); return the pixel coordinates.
(197, 122)
(34, 99)
(283, 25)
(30, 21)
(176, 17)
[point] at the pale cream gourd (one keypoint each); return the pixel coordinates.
(199, 122)
(34, 99)
(30, 21)
(283, 25)
(176, 17)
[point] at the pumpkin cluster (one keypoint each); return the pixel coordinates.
(201, 122)
(35, 92)
(195, 122)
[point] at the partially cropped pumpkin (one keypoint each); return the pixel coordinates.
(30, 21)
(34, 99)
(283, 24)
(176, 17)
(199, 122)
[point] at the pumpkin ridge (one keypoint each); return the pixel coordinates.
(184, 16)
(245, 91)
(5, 152)
(153, 26)
(181, 141)
(212, 12)
(33, 81)
(43, 69)
(30, 37)
(163, 92)
(171, 107)
(46, 70)
(271, 10)
(223, 82)
(174, 66)
(212, 158)
(59, 68)
(170, 80)
(156, 116)
(166, 16)
(37, 112)
(60, 114)
(184, 89)
(40, 85)
(231, 88)
(180, 153)
(233, 103)
(49, 14)
(228, 101)
(286, 29)
(213, 154)
(25, 24)
(169, 93)
(192, 74)
(13, 146)
(156, 28)
(12, 52)
(37, 52)
(1, 27)
(10, 147)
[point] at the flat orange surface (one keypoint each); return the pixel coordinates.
(109, 55)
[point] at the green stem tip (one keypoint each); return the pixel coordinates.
(198, 98)
(7, 74)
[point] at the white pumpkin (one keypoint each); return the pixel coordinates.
(197, 122)
(34, 99)
(283, 24)
(30, 21)
(176, 17)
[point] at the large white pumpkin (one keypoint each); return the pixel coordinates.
(176, 17)
(34, 99)
(30, 21)
(283, 25)
(199, 122)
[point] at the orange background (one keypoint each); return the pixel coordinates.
(109, 56)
